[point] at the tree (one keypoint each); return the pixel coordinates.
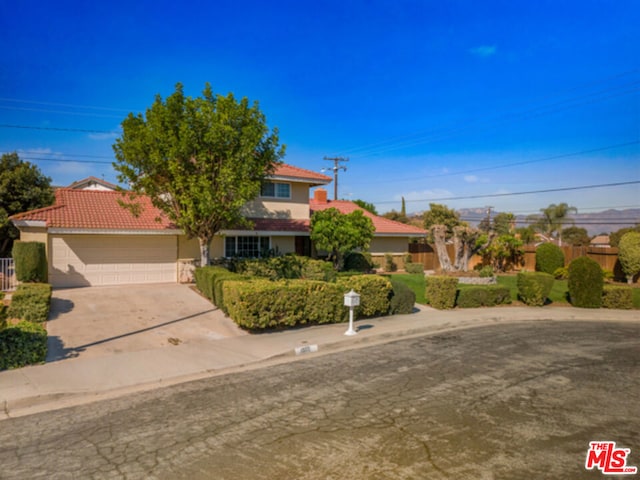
(629, 254)
(400, 216)
(614, 238)
(23, 187)
(503, 252)
(198, 159)
(339, 233)
(441, 215)
(576, 236)
(369, 207)
(503, 223)
(526, 234)
(551, 219)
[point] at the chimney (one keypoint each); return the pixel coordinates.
(320, 196)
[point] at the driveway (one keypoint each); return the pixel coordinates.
(95, 321)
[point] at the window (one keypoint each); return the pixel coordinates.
(246, 247)
(275, 190)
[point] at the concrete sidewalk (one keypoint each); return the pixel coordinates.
(81, 380)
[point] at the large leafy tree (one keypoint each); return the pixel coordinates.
(441, 221)
(576, 236)
(614, 238)
(339, 233)
(198, 159)
(23, 187)
(368, 206)
(552, 219)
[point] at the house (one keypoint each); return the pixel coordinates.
(93, 183)
(601, 241)
(92, 240)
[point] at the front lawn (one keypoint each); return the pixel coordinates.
(558, 293)
(415, 281)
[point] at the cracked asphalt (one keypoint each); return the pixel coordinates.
(500, 402)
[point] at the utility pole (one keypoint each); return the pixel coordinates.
(336, 166)
(489, 208)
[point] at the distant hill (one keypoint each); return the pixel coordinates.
(595, 223)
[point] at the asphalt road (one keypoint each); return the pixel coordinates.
(502, 402)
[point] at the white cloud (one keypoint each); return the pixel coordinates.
(470, 178)
(484, 50)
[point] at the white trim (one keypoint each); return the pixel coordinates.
(29, 223)
(311, 181)
(105, 231)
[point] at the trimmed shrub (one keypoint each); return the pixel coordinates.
(30, 261)
(389, 263)
(3, 311)
(483, 296)
(358, 262)
(441, 291)
(585, 283)
(318, 270)
(24, 343)
(205, 276)
(31, 301)
(218, 288)
(549, 257)
(374, 293)
(561, 273)
(486, 271)
(260, 304)
(402, 298)
(629, 254)
(273, 268)
(614, 296)
(411, 267)
(534, 287)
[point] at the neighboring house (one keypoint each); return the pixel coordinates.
(601, 241)
(93, 183)
(92, 240)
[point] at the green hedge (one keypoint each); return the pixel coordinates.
(260, 304)
(549, 257)
(359, 262)
(205, 276)
(534, 287)
(402, 298)
(374, 293)
(3, 311)
(614, 296)
(441, 291)
(31, 301)
(24, 343)
(30, 261)
(318, 270)
(411, 267)
(483, 296)
(586, 282)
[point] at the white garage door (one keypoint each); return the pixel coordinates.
(83, 260)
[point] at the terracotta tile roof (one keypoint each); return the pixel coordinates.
(97, 209)
(289, 171)
(383, 225)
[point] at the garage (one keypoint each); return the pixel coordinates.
(95, 260)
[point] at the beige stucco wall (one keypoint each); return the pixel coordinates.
(34, 234)
(284, 244)
(382, 245)
(191, 248)
(295, 207)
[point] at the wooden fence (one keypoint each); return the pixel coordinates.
(607, 258)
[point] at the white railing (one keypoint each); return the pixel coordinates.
(7, 275)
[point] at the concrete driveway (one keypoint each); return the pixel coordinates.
(95, 321)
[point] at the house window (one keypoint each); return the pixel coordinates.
(246, 247)
(275, 190)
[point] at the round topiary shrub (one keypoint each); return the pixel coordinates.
(586, 282)
(358, 262)
(549, 257)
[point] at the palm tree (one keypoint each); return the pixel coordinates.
(552, 219)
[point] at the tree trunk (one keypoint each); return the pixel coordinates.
(204, 251)
(439, 232)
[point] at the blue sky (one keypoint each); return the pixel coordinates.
(428, 100)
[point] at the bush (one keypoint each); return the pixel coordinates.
(486, 271)
(30, 261)
(205, 276)
(561, 273)
(411, 267)
(31, 301)
(374, 293)
(3, 311)
(549, 257)
(629, 254)
(483, 296)
(274, 268)
(586, 283)
(441, 291)
(402, 298)
(318, 270)
(614, 296)
(534, 287)
(358, 262)
(24, 343)
(260, 304)
(389, 264)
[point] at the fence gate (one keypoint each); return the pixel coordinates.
(7, 275)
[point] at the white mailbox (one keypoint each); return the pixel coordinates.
(351, 299)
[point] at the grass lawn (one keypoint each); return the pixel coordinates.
(558, 293)
(415, 281)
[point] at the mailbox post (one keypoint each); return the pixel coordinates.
(351, 300)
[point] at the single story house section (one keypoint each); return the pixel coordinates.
(92, 240)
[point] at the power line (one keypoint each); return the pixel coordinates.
(84, 114)
(493, 195)
(35, 152)
(63, 160)
(57, 129)
(71, 105)
(336, 166)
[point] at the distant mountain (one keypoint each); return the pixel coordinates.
(595, 223)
